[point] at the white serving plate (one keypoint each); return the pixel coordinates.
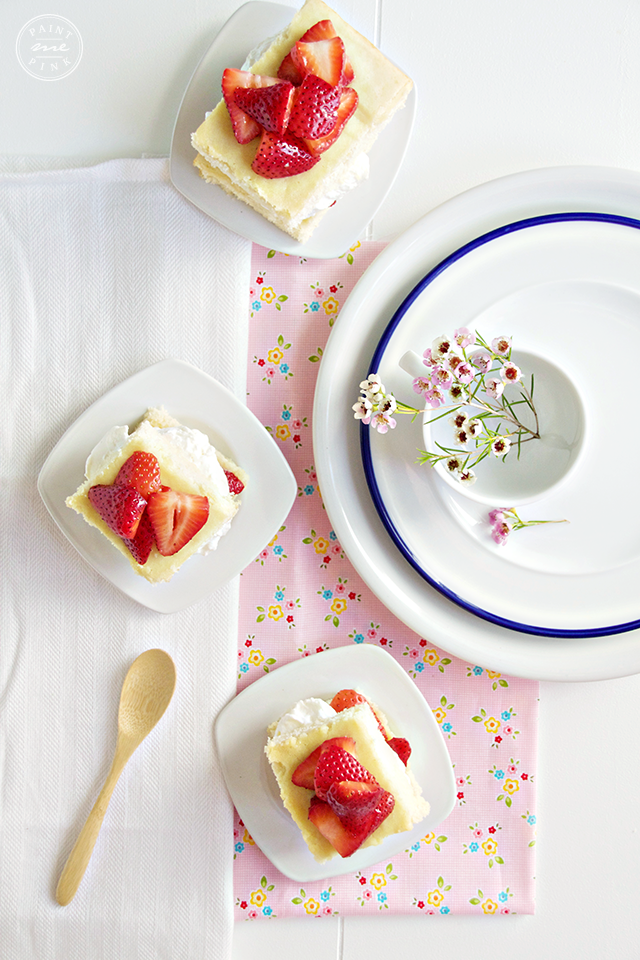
(341, 226)
(569, 290)
(346, 361)
(241, 735)
(198, 401)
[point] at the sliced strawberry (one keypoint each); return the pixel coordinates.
(141, 471)
(353, 801)
(335, 764)
(315, 108)
(332, 829)
(402, 747)
(120, 506)
(351, 698)
(346, 109)
(288, 71)
(245, 128)
(176, 518)
(324, 58)
(324, 30)
(269, 106)
(384, 807)
(235, 483)
(303, 775)
(281, 156)
(141, 545)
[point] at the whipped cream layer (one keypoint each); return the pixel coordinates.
(305, 713)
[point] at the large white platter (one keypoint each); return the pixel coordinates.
(198, 401)
(341, 226)
(241, 736)
(347, 360)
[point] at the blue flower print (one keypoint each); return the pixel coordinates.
(473, 847)
(284, 368)
(327, 594)
(239, 847)
(308, 489)
(444, 910)
(416, 846)
(332, 535)
(382, 897)
(419, 667)
(325, 895)
(286, 414)
(499, 774)
(256, 305)
(506, 714)
(267, 911)
(446, 727)
(315, 306)
(477, 671)
(503, 897)
(244, 667)
(278, 549)
(531, 820)
(279, 596)
(359, 638)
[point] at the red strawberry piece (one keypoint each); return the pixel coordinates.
(288, 71)
(269, 106)
(332, 828)
(353, 801)
(324, 30)
(335, 764)
(141, 471)
(402, 747)
(176, 518)
(245, 128)
(141, 545)
(351, 698)
(119, 505)
(315, 108)
(303, 775)
(235, 484)
(346, 109)
(324, 58)
(283, 156)
(382, 810)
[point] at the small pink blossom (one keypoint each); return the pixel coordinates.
(464, 373)
(434, 398)
(511, 373)
(264, 554)
(372, 634)
(494, 387)
(428, 358)
(290, 605)
(340, 588)
(460, 782)
(512, 768)
(297, 425)
(271, 372)
(481, 359)
(441, 347)
(501, 531)
(336, 549)
(421, 385)
(442, 377)
(501, 345)
(463, 337)
(414, 654)
(381, 422)
(496, 515)
(508, 731)
(478, 833)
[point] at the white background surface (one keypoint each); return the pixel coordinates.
(502, 87)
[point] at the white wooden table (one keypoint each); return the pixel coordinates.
(502, 87)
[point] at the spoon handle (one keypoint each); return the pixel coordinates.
(79, 857)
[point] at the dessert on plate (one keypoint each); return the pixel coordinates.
(159, 494)
(293, 129)
(343, 777)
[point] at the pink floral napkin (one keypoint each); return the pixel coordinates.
(301, 596)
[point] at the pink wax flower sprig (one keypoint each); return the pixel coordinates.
(504, 521)
(375, 406)
(475, 379)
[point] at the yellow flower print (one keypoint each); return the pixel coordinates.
(440, 714)
(247, 838)
(331, 306)
(378, 881)
(492, 725)
(493, 675)
(311, 906)
(429, 837)
(339, 605)
(355, 246)
(275, 612)
(320, 545)
(275, 355)
(511, 786)
(268, 295)
(256, 657)
(282, 431)
(271, 542)
(257, 898)
(435, 898)
(489, 846)
(430, 656)
(489, 906)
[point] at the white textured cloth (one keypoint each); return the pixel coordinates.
(104, 271)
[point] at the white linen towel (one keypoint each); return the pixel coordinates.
(104, 271)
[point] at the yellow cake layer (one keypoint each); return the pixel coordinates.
(286, 752)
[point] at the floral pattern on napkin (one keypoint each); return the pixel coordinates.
(301, 596)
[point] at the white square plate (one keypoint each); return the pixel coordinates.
(195, 399)
(241, 735)
(249, 26)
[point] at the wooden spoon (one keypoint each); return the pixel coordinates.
(146, 694)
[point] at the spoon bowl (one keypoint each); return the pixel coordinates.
(146, 693)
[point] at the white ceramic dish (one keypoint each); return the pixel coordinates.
(191, 396)
(241, 737)
(347, 360)
(560, 287)
(249, 26)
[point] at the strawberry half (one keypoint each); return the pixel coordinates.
(269, 106)
(141, 471)
(176, 518)
(402, 747)
(236, 485)
(353, 801)
(245, 128)
(141, 545)
(303, 775)
(346, 109)
(315, 108)
(351, 698)
(332, 829)
(120, 506)
(322, 30)
(281, 156)
(324, 58)
(336, 764)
